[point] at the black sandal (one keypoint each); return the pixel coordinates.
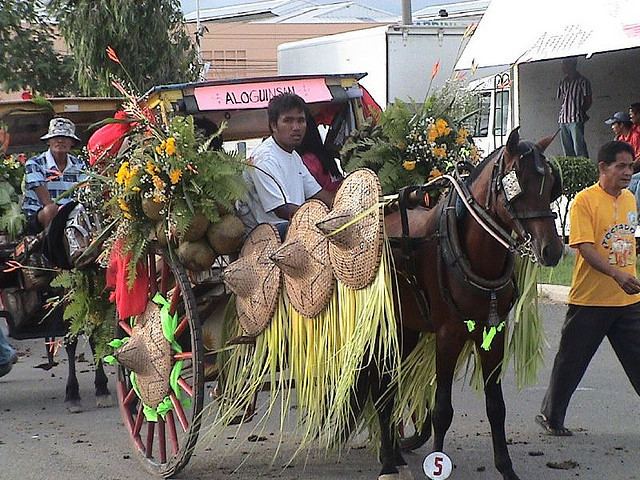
(552, 430)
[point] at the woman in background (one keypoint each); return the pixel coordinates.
(317, 158)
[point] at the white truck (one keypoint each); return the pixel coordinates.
(398, 59)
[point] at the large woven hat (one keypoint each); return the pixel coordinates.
(354, 229)
(148, 354)
(304, 260)
(255, 279)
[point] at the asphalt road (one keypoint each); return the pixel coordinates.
(40, 440)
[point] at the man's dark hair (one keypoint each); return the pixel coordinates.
(610, 150)
(635, 107)
(283, 103)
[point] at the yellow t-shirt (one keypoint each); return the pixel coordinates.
(609, 223)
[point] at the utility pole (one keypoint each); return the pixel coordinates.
(406, 12)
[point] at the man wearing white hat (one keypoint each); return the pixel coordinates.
(50, 174)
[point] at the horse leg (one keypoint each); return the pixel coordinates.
(448, 348)
(393, 464)
(72, 394)
(103, 396)
(491, 368)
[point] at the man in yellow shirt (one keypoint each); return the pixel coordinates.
(604, 299)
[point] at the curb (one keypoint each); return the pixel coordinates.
(553, 293)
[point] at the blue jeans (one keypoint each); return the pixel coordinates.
(572, 136)
(6, 351)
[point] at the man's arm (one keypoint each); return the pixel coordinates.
(586, 104)
(326, 196)
(43, 195)
(629, 283)
(286, 211)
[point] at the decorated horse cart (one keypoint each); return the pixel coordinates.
(355, 313)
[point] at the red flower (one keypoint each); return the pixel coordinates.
(111, 53)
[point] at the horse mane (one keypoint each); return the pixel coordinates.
(475, 173)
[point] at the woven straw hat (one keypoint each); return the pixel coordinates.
(148, 354)
(355, 251)
(255, 279)
(304, 261)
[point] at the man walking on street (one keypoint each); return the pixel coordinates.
(575, 92)
(604, 299)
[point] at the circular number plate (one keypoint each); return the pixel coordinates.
(437, 466)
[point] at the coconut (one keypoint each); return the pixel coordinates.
(196, 256)
(227, 235)
(161, 233)
(152, 209)
(197, 228)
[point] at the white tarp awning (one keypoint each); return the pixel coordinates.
(515, 31)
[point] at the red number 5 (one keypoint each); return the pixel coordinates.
(438, 464)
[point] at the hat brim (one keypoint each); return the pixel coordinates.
(48, 136)
(309, 280)
(611, 121)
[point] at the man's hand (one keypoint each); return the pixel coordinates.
(629, 283)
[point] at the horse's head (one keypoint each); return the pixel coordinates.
(526, 184)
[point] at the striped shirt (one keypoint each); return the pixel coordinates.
(42, 170)
(572, 92)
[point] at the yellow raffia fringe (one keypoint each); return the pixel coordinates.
(321, 357)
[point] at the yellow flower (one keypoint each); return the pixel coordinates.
(150, 168)
(409, 165)
(440, 152)
(125, 208)
(461, 139)
(158, 183)
(161, 148)
(175, 175)
(434, 173)
(170, 146)
(131, 177)
(123, 173)
(432, 134)
(442, 127)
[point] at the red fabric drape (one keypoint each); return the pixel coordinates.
(128, 302)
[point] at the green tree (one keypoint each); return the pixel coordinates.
(149, 37)
(28, 59)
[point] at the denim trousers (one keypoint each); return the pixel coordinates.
(6, 350)
(572, 136)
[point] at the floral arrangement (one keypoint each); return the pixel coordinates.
(11, 217)
(411, 143)
(167, 184)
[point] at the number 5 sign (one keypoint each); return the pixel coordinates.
(437, 466)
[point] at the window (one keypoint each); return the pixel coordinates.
(478, 123)
(501, 113)
(230, 59)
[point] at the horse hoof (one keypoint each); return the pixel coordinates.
(404, 472)
(74, 406)
(104, 401)
(389, 476)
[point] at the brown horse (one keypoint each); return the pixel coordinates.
(456, 271)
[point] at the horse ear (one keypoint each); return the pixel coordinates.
(543, 143)
(513, 141)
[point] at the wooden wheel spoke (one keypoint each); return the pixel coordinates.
(125, 326)
(183, 356)
(149, 445)
(182, 326)
(185, 386)
(164, 277)
(182, 418)
(175, 298)
(162, 441)
(129, 397)
(152, 273)
(139, 420)
(173, 435)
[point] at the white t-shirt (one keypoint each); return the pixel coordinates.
(292, 176)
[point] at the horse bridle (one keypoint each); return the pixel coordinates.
(509, 184)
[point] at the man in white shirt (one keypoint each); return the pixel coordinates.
(280, 182)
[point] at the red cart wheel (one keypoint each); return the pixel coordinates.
(165, 447)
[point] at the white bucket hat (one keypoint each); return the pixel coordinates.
(61, 127)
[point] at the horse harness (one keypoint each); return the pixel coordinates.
(450, 252)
